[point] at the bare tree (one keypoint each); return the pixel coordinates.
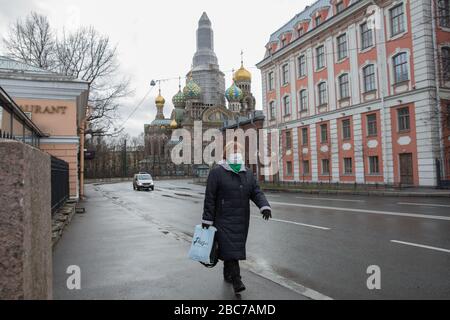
(31, 41)
(84, 54)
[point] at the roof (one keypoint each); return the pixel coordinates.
(258, 115)
(14, 68)
(161, 122)
(305, 14)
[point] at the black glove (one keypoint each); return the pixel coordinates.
(205, 225)
(266, 214)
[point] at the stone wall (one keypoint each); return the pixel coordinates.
(25, 222)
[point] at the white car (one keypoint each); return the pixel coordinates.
(143, 181)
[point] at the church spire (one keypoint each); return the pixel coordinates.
(205, 43)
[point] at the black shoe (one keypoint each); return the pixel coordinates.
(238, 286)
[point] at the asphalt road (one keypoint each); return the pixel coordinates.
(325, 243)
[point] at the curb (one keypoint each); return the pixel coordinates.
(362, 193)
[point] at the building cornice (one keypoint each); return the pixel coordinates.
(348, 12)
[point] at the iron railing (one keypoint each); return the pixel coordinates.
(60, 183)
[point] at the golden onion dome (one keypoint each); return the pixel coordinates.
(160, 99)
(173, 124)
(242, 74)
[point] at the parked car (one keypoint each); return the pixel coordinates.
(143, 181)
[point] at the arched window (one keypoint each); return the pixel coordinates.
(287, 105)
(369, 78)
(303, 97)
(445, 52)
(322, 92)
(344, 89)
(400, 63)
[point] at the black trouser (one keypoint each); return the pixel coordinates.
(231, 269)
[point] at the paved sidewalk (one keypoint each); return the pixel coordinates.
(124, 256)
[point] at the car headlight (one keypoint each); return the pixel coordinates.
(139, 183)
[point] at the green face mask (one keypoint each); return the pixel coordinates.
(236, 167)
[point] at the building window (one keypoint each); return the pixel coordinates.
(374, 166)
(445, 51)
(322, 89)
(372, 124)
(346, 130)
(342, 46)
(444, 13)
(344, 90)
(301, 66)
(285, 74)
(400, 67)
(369, 78)
(271, 81)
(448, 116)
(325, 167)
(320, 57)
(272, 110)
(305, 167)
(348, 168)
(283, 42)
(300, 31)
(318, 20)
(339, 7)
(288, 140)
(397, 20)
(303, 100)
(305, 136)
(403, 119)
(288, 168)
(323, 133)
(287, 105)
(366, 36)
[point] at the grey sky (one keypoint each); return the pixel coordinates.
(156, 39)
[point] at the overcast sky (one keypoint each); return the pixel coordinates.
(156, 39)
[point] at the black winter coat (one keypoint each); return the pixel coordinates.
(227, 206)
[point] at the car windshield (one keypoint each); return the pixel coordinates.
(145, 177)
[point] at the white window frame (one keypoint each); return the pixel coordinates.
(338, 82)
(299, 76)
(274, 116)
(300, 99)
(389, 22)
(285, 83)
(283, 99)
(361, 75)
(319, 104)
(359, 36)
(342, 34)
(316, 67)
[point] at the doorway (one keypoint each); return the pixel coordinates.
(406, 169)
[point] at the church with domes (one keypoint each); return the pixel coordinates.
(203, 98)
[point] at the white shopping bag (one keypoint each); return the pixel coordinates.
(202, 243)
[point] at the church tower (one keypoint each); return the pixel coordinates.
(159, 101)
(243, 79)
(205, 72)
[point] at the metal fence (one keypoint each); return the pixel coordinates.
(60, 183)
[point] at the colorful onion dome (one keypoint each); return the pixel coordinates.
(191, 90)
(233, 93)
(178, 99)
(173, 124)
(242, 74)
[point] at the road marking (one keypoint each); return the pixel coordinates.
(421, 246)
(296, 223)
(263, 269)
(401, 214)
(424, 204)
(330, 199)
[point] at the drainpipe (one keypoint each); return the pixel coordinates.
(438, 99)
